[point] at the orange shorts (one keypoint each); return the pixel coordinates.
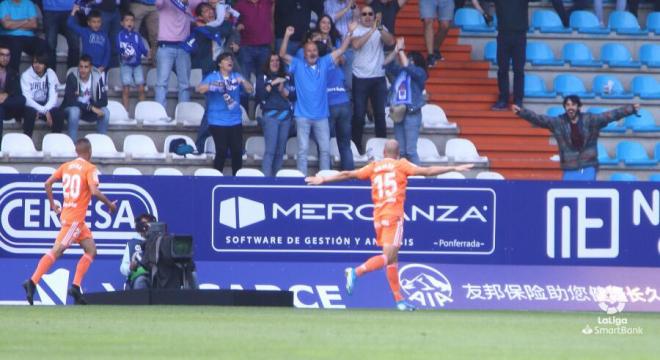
(389, 231)
(73, 232)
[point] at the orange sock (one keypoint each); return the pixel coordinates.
(393, 279)
(374, 263)
(81, 268)
(44, 264)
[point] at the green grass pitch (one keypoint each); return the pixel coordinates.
(186, 332)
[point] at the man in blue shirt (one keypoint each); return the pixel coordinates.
(56, 13)
(19, 20)
(311, 108)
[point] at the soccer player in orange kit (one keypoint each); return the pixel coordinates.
(389, 178)
(79, 182)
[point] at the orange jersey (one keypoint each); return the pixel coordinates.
(389, 178)
(76, 176)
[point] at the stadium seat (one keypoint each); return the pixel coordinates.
(152, 77)
(568, 84)
(118, 114)
(617, 56)
(653, 22)
(462, 150)
(59, 145)
(649, 55)
(196, 77)
(625, 23)
(189, 113)
(327, 173)
(141, 147)
(189, 141)
(152, 113)
(646, 87)
(42, 170)
(8, 170)
(632, 153)
(609, 87)
(103, 147)
(642, 123)
(209, 146)
(451, 175)
(246, 118)
(247, 172)
(62, 47)
(579, 55)
(334, 152)
(19, 145)
(586, 22)
(654, 177)
(547, 21)
(555, 111)
(113, 77)
(255, 146)
(427, 151)
(207, 172)
(603, 157)
(290, 173)
(657, 151)
(126, 171)
(374, 148)
(470, 20)
(489, 175)
(490, 52)
(433, 117)
(623, 177)
(613, 127)
(292, 149)
(540, 54)
(167, 171)
(535, 87)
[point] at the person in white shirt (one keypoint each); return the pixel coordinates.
(39, 86)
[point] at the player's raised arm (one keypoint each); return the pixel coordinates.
(344, 175)
(437, 170)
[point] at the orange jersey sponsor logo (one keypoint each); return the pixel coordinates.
(389, 178)
(76, 177)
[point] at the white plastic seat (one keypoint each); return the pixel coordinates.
(19, 145)
(327, 173)
(207, 172)
(209, 146)
(8, 170)
(152, 113)
(255, 146)
(289, 173)
(434, 117)
(103, 147)
(62, 47)
(141, 147)
(374, 148)
(113, 78)
(489, 175)
(118, 114)
(189, 141)
(246, 172)
(166, 171)
(463, 150)
(42, 170)
(189, 113)
(292, 149)
(126, 171)
(58, 145)
(246, 118)
(427, 151)
(416, 177)
(451, 175)
(334, 152)
(152, 78)
(195, 77)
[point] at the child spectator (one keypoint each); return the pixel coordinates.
(95, 42)
(131, 50)
(39, 86)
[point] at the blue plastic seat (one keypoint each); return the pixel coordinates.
(653, 22)
(555, 111)
(600, 85)
(470, 20)
(657, 151)
(632, 153)
(547, 21)
(642, 123)
(623, 177)
(617, 55)
(579, 54)
(646, 87)
(568, 84)
(603, 157)
(649, 55)
(540, 54)
(586, 22)
(490, 52)
(654, 177)
(625, 23)
(535, 87)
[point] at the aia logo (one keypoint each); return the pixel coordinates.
(425, 286)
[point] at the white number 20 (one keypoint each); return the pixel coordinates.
(386, 184)
(71, 186)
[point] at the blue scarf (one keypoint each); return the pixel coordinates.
(400, 91)
(191, 43)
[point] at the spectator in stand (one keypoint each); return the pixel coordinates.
(276, 93)
(85, 98)
(429, 10)
(311, 107)
(110, 19)
(368, 73)
(131, 51)
(55, 15)
(19, 20)
(512, 25)
(145, 10)
(296, 13)
(222, 89)
(388, 10)
(342, 12)
(564, 15)
(406, 94)
(39, 86)
(341, 114)
(174, 28)
(95, 42)
(12, 102)
(478, 5)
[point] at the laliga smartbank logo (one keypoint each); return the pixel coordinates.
(28, 226)
(612, 300)
(425, 286)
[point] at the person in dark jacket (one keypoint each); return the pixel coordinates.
(12, 102)
(85, 98)
(576, 134)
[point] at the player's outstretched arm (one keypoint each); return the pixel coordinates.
(318, 180)
(49, 192)
(112, 205)
(437, 170)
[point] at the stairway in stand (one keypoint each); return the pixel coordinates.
(461, 86)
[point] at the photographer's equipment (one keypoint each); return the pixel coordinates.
(169, 257)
